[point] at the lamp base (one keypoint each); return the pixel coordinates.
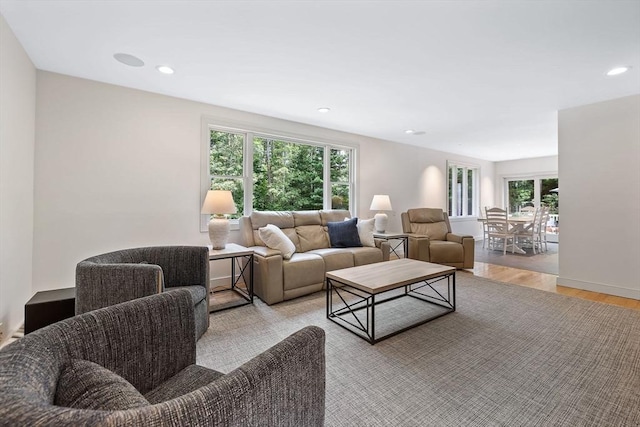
(380, 223)
(219, 232)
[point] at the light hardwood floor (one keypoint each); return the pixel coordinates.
(545, 282)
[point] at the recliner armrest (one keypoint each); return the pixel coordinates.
(419, 246)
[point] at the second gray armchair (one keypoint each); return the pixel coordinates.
(124, 275)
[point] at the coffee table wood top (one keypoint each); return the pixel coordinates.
(384, 276)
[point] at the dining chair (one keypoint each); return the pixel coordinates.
(497, 222)
(543, 218)
(531, 231)
(528, 210)
(485, 229)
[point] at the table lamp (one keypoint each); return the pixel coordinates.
(381, 202)
(219, 203)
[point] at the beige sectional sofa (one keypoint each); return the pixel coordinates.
(277, 279)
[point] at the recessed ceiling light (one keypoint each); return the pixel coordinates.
(409, 131)
(164, 69)
(618, 70)
(324, 110)
(129, 60)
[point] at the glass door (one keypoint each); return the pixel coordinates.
(535, 191)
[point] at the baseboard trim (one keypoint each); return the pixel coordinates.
(599, 287)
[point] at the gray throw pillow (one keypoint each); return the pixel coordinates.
(86, 385)
(344, 234)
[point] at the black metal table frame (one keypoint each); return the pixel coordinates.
(368, 302)
(247, 296)
(393, 247)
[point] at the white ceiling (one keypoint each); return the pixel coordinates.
(481, 78)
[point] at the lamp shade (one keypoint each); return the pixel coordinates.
(218, 202)
(381, 202)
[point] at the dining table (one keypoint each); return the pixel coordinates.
(517, 223)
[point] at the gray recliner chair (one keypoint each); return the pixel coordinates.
(127, 274)
(133, 364)
(431, 239)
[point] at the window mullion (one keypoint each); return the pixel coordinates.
(247, 173)
(326, 178)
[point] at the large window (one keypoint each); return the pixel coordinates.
(463, 194)
(278, 173)
(532, 191)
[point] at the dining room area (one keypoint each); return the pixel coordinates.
(526, 233)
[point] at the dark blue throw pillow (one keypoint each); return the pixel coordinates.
(344, 234)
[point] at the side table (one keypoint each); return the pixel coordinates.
(241, 291)
(47, 307)
(402, 240)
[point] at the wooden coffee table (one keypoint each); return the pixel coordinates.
(354, 293)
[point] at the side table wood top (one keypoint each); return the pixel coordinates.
(230, 250)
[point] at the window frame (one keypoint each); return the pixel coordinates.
(475, 201)
(250, 131)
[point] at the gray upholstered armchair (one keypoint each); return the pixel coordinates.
(431, 240)
(120, 276)
(133, 364)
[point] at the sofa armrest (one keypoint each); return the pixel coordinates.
(419, 247)
(267, 274)
(285, 385)
(469, 245)
(457, 237)
(103, 285)
(385, 247)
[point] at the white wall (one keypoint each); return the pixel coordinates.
(117, 167)
(17, 127)
(415, 177)
(599, 173)
(538, 166)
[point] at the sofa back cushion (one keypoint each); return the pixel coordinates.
(312, 237)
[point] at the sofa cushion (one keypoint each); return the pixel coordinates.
(275, 238)
(333, 215)
(306, 218)
(189, 379)
(365, 255)
(442, 252)
(86, 385)
(335, 258)
(279, 219)
(301, 270)
(312, 237)
(344, 234)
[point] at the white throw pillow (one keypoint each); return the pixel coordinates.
(275, 238)
(365, 231)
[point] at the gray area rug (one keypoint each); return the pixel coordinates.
(509, 356)
(545, 262)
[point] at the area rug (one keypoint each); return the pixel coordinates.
(545, 262)
(508, 356)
